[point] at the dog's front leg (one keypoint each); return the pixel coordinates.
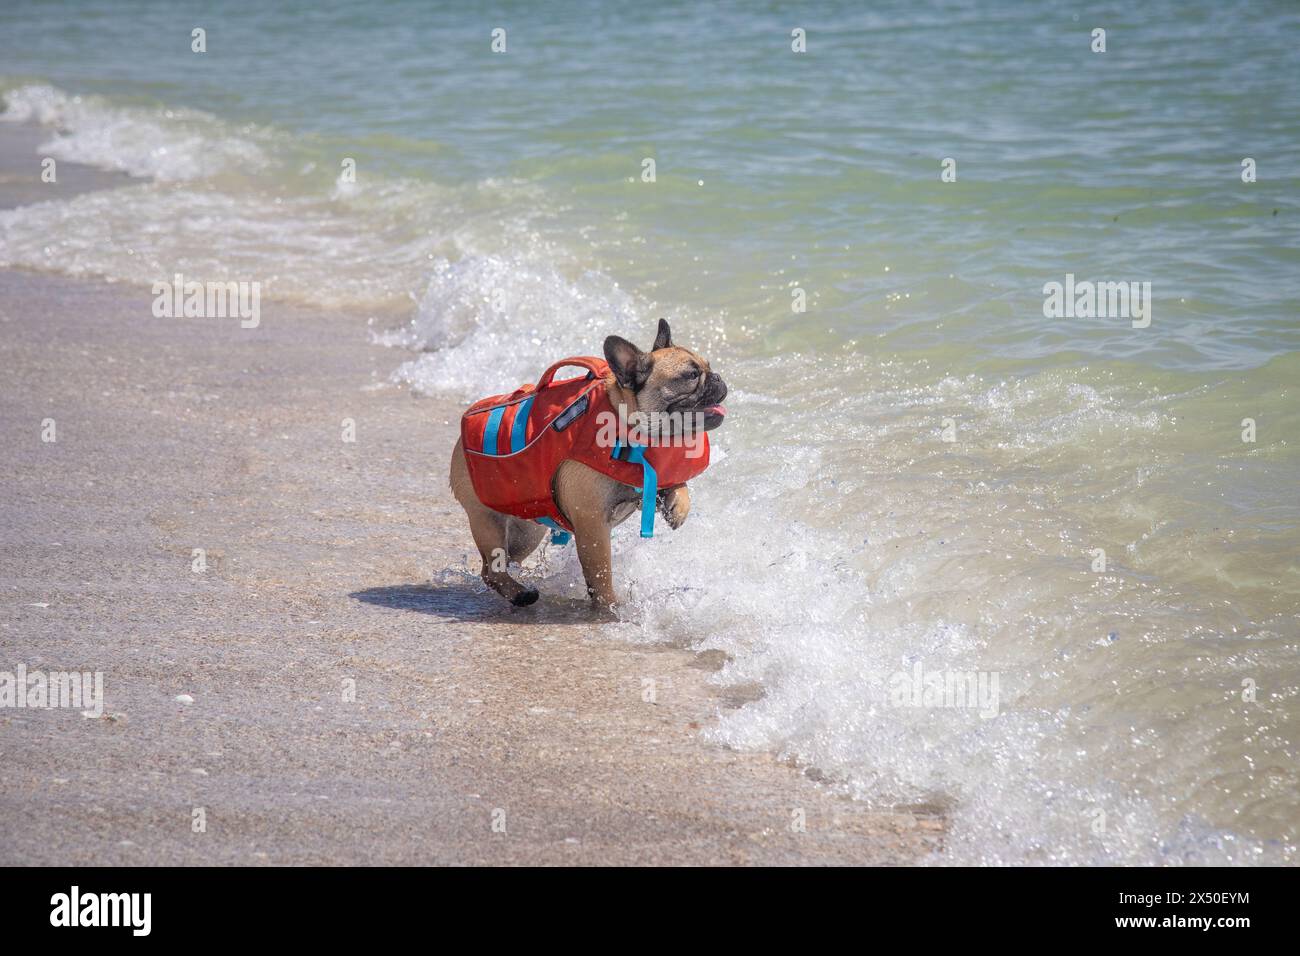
(675, 505)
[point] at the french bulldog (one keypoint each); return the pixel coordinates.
(668, 380)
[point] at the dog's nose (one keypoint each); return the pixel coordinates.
(717, 388)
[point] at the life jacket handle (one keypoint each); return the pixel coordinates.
(597, 367)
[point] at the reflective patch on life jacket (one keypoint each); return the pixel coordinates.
(567, 417)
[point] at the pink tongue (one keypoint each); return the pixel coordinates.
(719, 410)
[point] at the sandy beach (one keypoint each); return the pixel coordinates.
(325, 562)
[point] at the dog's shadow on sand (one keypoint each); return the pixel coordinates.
(467, 602)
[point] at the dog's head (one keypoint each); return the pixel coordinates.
(668, 378)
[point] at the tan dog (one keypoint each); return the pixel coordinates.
(667, 379)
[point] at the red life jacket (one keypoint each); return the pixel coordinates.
(515, 443)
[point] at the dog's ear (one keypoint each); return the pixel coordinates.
(664, 340)
(630, 365)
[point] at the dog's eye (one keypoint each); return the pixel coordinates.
(690, 375)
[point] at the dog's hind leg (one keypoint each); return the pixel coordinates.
(522, 538)
(491, 537)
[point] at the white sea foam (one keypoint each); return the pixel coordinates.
(299, 248)
(158, 143)
(222, 202)
(485, 319)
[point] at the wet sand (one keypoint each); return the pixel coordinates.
(327, 562)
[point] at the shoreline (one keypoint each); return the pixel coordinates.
(20, 169)
(469, 715)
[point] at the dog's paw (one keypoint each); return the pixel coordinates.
(675, 505)
(606, 613)
(525, 598)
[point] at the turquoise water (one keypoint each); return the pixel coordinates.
(499, 220)
(820, 169)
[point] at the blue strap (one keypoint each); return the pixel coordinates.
(490, 432)
(558, 535)
(521, 423)
(649, 485)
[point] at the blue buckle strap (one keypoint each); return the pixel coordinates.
(558, 535)
(649, 489)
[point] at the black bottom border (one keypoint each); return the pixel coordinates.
(213, 905)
